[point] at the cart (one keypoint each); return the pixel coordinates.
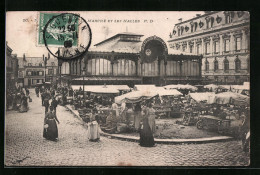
(212, 122)
(190, 118)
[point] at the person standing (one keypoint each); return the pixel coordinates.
(151, 117)
(115, 109)
(24, 103)
(43, 97)
(93, 129)
(37, 91)
(27, 91)
(123, 111)
(54, 104)
(137, 117)
(50, 131)
(53, 93)
(146, 135)
(46, 101)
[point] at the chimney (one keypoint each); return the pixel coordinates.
(180, 20)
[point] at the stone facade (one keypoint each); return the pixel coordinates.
(11, 68)
(222, 38)
(32, 71)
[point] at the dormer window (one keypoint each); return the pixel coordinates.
(129, 38)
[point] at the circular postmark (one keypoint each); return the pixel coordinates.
(67, 36)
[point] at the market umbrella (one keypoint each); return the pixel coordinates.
(165, 92)
(231, 98)
(181, 86)
(203, 96)
(135, 96)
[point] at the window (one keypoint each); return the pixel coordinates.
(40, 64)
(238, 44)
(191, 49)
(40, 73)
(216, 47)
(206, 65)
(237, 64)
(183, 48)
(215, 65)
(207, 48)
(29, 73)
(228, 18)
(226, 45)
(52, 63)
(198, 49)
(226, 65)
(29, 64)
(50, 71)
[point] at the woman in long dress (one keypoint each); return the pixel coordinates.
(151, 117)
(146, 135)
(137, 117)
(50, 131)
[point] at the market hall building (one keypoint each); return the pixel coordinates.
(125, 59)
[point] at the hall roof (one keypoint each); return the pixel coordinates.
(117, 45)
(117, 35)
(121, 47)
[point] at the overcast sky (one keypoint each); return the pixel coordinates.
(21, 36)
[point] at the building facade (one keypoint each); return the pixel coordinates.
(126, 59)
(222, 38)
(32, 71)
(11, 68)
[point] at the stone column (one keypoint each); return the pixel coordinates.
(232, 42)
(221, 44)
(202, 46)
(211, 46)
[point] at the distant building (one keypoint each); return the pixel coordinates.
(32, 71)
(127, 60)
(11, 68)
(223, 38)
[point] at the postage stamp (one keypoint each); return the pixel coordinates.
(65, 35)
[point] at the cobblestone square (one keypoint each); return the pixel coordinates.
(25, 146)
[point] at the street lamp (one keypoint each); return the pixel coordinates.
(83, 74)
(45, 59)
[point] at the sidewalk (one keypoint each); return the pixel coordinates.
(164, 141)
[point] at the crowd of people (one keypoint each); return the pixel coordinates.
(102, 111)
(18, 99)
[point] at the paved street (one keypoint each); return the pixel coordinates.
(25, 146)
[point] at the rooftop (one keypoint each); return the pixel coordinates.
(119, 34)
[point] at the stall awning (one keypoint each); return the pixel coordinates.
(135, 96)
(209, 97)
(101, 88)
(181, 86)
(142, 87)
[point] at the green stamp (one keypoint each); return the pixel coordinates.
(66, 35)
(60, 29)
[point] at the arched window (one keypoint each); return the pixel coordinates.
(226, 64)
(237, 64)
(206, 65)
(215, 64)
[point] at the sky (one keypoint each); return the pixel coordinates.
(21, 27)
